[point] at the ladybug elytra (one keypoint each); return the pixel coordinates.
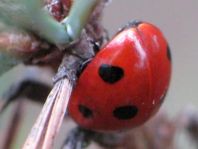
(125, 83)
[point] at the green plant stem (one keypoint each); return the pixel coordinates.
(50, 29)
(28, 15)
(7, 62)
(78, 17)
(32, 18)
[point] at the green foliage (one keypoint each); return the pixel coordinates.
(19, 12)
(79, 16)
(28, 15)
(7, 62)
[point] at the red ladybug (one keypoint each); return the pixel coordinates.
(125, 83)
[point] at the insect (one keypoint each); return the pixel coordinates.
(120, 88)
(126, 82)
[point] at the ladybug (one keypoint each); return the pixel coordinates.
(125, 83)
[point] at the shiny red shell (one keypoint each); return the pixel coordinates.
(125, 83)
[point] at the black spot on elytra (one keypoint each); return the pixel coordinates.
(125, 112)
(110, 74)
(85, 111)
(169, 53)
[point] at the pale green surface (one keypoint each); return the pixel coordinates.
(75, 26)
(28, 15)
(7, 62)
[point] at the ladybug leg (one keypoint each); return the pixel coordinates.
(96, 46)
(78, 138)
(110, 140)
(82, 66)
(28, 87)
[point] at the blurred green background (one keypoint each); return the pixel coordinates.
(178, 20)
